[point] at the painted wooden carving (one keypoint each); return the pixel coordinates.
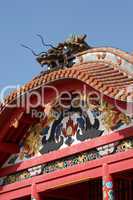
(71, 126)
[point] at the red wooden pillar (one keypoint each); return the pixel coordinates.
(130, 189)
(107, 184)
(34, 193)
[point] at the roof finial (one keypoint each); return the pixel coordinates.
(63, 54)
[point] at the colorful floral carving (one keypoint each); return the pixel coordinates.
(66, 127)
(112, 117)
(34, 171)
(70, 129)
(125, 145)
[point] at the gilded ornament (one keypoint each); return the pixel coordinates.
(111, 117)
(32, 142)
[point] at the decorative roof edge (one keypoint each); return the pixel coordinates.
(118, 52)
(74, 73)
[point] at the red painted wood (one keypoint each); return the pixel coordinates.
(16, 194)
(71, 84)
(19, 133)
(55, 175)
(9, 148)
(105, 169)
(34, 193)
(61, 178)
(116, 136)
(44, 185)
(130, 190)
(67, 180)
(7, 124)
(123, 165)
(81, 172)
(15, 137)
(68, 85)
(11, 134)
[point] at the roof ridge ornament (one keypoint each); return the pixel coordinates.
(63, 54)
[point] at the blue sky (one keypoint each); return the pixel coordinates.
(106, 22)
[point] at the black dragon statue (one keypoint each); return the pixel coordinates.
(63, 54)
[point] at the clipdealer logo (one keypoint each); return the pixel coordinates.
(35, 98)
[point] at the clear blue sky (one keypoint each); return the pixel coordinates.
(106, 22)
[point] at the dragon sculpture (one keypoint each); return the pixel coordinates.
(61, 55)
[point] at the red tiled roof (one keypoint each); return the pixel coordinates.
(105, 77)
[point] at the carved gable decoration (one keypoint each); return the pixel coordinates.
(69, 127)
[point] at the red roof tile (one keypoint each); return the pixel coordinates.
(106, 77)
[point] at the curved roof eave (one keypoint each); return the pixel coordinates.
(105, 69)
